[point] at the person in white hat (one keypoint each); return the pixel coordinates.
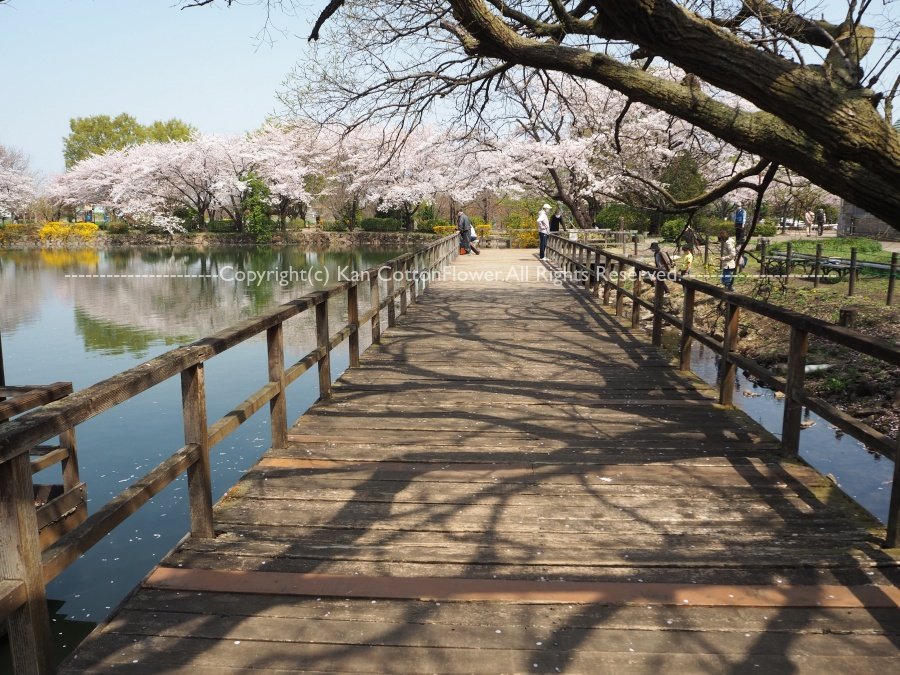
(543, 223)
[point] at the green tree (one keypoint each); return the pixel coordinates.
(683, 177)
(256, 206)
(100, 133)
(170, 130)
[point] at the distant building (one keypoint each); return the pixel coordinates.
(853, 221)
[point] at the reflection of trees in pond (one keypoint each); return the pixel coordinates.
(21, 289)
(174, 308)
(130, 314)
(111, 338)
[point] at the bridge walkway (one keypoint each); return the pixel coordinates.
(513, 482)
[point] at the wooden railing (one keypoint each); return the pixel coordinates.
(602, 273)
(24, 569)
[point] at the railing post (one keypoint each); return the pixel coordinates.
(193, 402)
(278, 404)
(762, 259)
(687, 325)
(892, 279)
(322, 340)
(404, 286)
(588, 274)
(620, 296)
(416, 263)
(595, 277)
(818, 265)
(375, 295)
(658, 296)
(607, 287)
(893, 524)
(790, 426)
(851, 289)
(726, 383)
(789, 263)
(20, 559)
(391, 309)
(70, 463)
(636, 288)
(353, 318)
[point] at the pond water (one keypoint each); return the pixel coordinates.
(85, 315)
(864, 475)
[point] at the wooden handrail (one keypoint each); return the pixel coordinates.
(24, 570)
(570, 254)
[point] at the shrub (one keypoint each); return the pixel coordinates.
(483, 231)
(226, 225)
(516, 225)
(335, 226)
(11, 232)
(117, 227)
(443, 230)
(514, 222)
(765, 229)
(381, 224)
(55, 231)
(672, 228)
(524, 238)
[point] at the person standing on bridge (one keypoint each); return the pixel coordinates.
(543, 225)
(466, 231)
(556, 220)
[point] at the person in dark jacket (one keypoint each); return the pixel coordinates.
(662, 266)
(556, 220)
(466, 234)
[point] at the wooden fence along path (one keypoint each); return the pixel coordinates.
(513, 482)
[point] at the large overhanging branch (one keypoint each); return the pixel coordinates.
(839, 142)
(687, 205)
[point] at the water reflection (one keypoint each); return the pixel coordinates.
(863, 474)
(82, 316)
(128, 300)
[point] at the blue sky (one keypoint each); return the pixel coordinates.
(74, 58)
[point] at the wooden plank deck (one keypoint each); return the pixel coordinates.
(511, 482)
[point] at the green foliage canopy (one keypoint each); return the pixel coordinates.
(100, 133)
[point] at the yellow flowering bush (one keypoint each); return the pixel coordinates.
(11, 232)
(444, 230)
(483, 230)
(63, 232)
(524, 238)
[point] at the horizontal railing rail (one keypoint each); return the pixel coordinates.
(604, 272)
(24, 569)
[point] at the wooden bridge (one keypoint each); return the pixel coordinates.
(511, 480)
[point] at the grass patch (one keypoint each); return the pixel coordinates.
(867, 250)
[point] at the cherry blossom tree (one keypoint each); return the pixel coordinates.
(822, 88)
(17, 188)
(288, 160)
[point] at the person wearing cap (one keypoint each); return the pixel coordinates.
(543, 223)
(661, 264)
(466, 233)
